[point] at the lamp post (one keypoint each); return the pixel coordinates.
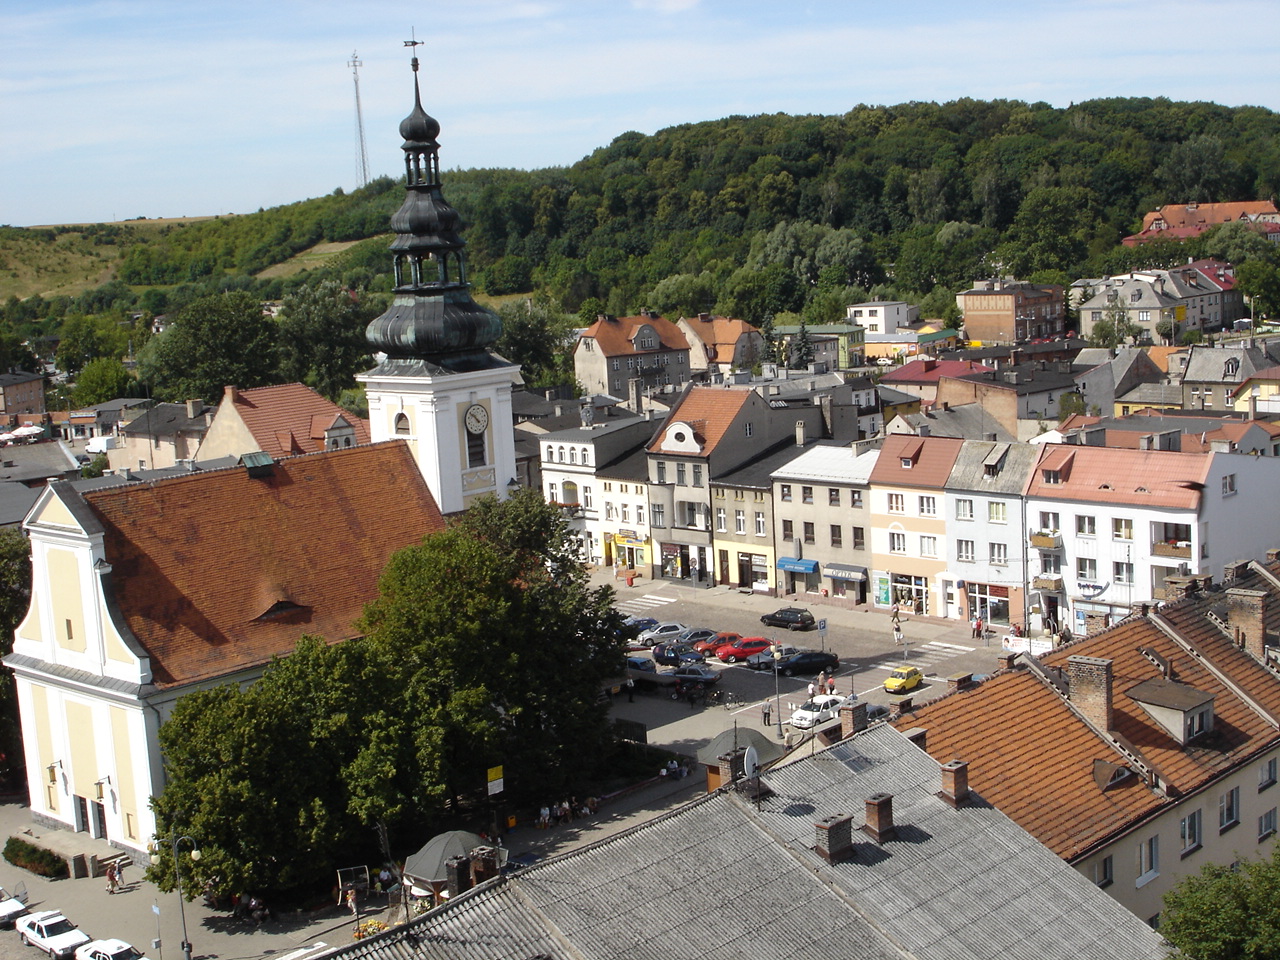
(777, 693)
(175, 842)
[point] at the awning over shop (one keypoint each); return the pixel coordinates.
(844, 571)
(794, 565)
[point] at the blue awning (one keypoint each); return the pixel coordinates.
(844, 571)
(793, 565)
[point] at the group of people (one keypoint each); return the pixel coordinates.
(566, 811)
(115, 876)
(826, 683)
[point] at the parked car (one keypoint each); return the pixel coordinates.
(699, 635)
(764, 659)
(713, 643)
(643, 664)
(12, 905)
(818, 710)
(675, 654)
(793, 618)
(808, 661)
(742, 648)
(903, 679)
(662, 631)
(50, 931)
(877, 711)
(640, 623)
(108, 950)
(693, 673)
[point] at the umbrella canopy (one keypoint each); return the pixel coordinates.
(427, 865)
(30, 430)
(6, 437)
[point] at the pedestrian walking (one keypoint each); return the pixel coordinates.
(897, 635)
(977, 627)
(631, 690)
(831, 685)
(893, 613)
(766, 711)
(812, 689)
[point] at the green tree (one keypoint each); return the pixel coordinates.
(1260, 283)
(213, 342)
(1226, 913)
(80, 342)
(95, 467)
(102, 379)
(537, 336)
(1114, 328)
(801, 349)
(322, 342)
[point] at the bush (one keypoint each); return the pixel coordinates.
(38, 860)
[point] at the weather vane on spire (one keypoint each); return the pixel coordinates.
(412, 44)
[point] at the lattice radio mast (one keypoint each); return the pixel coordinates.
(355, 65)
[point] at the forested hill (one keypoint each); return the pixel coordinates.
(753, 216)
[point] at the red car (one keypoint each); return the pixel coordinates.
(742, 648)
(710, 645)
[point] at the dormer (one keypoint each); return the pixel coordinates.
(645, 338)
(680, 437)
(1181, 710)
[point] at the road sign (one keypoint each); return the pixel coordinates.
(822, 624)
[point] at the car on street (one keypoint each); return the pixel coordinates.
(694, 673)
(661, 631)
(742, 648)
(902, 679)
(793, 618)
(699, 635)
(108, 950)
(818, 710)
(877, 711)
(12, 905)
(764, 659)
(50, 931)
(710, 645)
(808, 661)
(675, 654)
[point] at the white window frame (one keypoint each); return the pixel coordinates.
(1229, 809)
(897, 503)
(964, 509)
(965, 551)
(997, 511)
(897, 542)
(1191, 830)
(1148, 860)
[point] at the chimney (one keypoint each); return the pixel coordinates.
(955, 782)
(731, 765)
(1179, 587)
(834, 837)
(929, 364)
(559, 409)
(1253, 408)
(1273, 555)
(484, 863)
(457, 875)
(194, 407)
(635, 395)
(1235, 570)
(1089, 689)
(917, 735)
(959, 681)
(1006, 660)
(799, 433)
(1246, 615)
(231, 393)
(879, 823)
(704, 317)
(946, 406)
(853, 718)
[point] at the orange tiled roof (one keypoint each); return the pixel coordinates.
(1158, 478)
(717, 332)
(931, 460)
(1034, 760)
(1206, 214)
(1160, 356)
(291, 418)
(709, 410)
(613, 337)
(218, 572)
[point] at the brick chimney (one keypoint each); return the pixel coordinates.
(853, 718)
(732, 765)
(1234, 570)
(959, 681)
(879, 825)
(955, 782)
(1246, 613)
(1006, 660)
(194, 407)
(457, 875)
(484, 864)
(231, 392)
(898, 709)
(1179, 587)
(1273, 555)
(1089, 689)
(834, 837)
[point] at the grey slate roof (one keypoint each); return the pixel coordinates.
(758, 473)
(718, 878)
(1013, 460)
(967, 421)
(165, 419)
(1209, 364)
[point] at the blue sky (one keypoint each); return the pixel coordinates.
(112, 109)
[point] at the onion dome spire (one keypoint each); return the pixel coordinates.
(432, 316)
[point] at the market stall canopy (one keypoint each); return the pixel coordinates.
(427, 865)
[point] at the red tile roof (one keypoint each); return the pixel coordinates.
(931, 371)
(710, 411)
(291, 418)
(614, 336)
(931, 460)
(719, 334)
(219, 572)
(1157, 478)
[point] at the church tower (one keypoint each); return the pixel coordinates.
(439, 386)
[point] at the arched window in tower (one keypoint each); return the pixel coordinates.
(402, 425)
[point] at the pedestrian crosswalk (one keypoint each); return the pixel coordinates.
(925, 655)
(644, 604)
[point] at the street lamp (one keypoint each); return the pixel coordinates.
(777, 694)
(174, 844)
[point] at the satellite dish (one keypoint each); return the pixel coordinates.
(751, 763)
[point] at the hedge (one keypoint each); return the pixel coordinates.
(38, 860)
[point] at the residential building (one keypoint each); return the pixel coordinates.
(647, 348)
(1155, 750)
(1021, 398)
(1182, 430)
(718, 345)
(142, 592)
(21, 393)
(161, 436)
(822, 509)
(1213, 374)
(1011, 311)
(969, 421)
(1181, 221)
(987, 558)
(282, 421)
(849, 349)
(882, 316)
(1258, 392)
(621, 531)
(920, 378)
(931, 871)
(909, 523)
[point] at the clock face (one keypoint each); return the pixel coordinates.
(476, 419)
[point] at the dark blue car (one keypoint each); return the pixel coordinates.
(675, 654)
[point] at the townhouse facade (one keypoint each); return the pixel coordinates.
(1010, 311)
(718, 345)
(648, 349)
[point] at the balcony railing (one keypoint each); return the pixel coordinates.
(1176, 548)
(1046, 540)
(1047, 583)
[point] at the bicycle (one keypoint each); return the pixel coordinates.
(728, 699)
